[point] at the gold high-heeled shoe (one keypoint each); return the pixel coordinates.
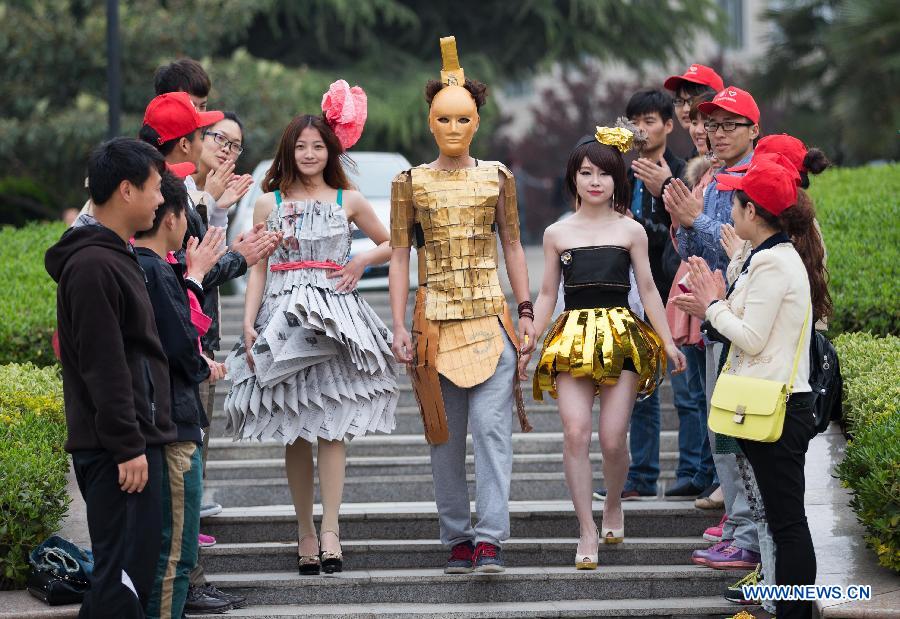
(586, 561)
(332, 561)
(614, 536)
(308, 565)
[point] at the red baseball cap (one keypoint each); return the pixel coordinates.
(734, 100)
(697, 74)
(780, 143)
(172, 115)
(181, 170)
(771, 182)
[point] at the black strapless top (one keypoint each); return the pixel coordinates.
(596, 276)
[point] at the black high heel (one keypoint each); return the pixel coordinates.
(332, 562)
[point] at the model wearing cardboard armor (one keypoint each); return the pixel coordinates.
(598, 346)
(464, 348)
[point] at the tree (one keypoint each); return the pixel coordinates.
(842, 91)
(272, 59)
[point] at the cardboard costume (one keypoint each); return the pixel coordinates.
(451, 217)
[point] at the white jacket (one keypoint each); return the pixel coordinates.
(764, 315)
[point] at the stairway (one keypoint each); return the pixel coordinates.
(393, 559)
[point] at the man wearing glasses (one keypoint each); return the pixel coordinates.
(733, 128)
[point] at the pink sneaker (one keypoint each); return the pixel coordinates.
(714, 534)
(206, 540)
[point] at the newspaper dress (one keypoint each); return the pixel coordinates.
(323, 362)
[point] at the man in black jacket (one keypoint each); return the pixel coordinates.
(168, 283)
(115, 376)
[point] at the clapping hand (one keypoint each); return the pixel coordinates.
(201, 256)
(681, 203)
(730, 241)
(652, 175)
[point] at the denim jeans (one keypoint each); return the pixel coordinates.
(695, 463)
(643, 440)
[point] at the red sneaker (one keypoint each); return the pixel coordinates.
(460, 561)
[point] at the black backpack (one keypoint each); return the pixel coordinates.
(826, 381)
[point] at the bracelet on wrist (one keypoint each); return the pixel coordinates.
(526, 310)
(193, 280)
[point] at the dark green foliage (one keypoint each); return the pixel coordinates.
(858, 210)
(33, 465)
(871, 467)
(272, 59)
(28, 303)
(842, 91)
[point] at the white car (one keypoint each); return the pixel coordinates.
(373, 175)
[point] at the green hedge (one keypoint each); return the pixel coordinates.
(28, 303)
(871, 468)
(858, 209)
(33, 465)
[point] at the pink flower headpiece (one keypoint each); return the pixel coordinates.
(345, 111)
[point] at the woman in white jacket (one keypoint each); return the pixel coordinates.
(767, 315)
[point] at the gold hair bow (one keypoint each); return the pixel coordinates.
(618, 137)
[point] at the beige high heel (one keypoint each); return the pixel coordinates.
(332, 561)
(614, 536)
(586, 561)
(308, 565)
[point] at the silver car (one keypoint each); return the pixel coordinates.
(373, 175)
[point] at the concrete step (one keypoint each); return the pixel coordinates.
(418, 520)
(683, 608)
(517, 584)
(528, 486)
(375, 445)
(543, 418)
(395, 554)
(387, 488)
(399, 466)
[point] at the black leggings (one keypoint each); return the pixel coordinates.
(778, 468)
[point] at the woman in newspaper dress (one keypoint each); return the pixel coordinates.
(315, 363)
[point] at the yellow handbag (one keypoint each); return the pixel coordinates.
(752, 408)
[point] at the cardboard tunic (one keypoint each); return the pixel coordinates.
(460, 308)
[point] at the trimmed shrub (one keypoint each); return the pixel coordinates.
(858, 209)
(28, 303)
(33, 465)
(871, 468)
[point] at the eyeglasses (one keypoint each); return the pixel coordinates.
(223, 141)
(680, 102)
(727, 126)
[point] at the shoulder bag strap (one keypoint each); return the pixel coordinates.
(799, 348)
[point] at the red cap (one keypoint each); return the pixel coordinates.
(172, 115)
(181, 170)
(781, 143)
(697, 74)
(734, 100)
(770, 182)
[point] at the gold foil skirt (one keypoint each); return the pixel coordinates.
(595, 344)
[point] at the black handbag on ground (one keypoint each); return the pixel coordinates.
(53, 590)
(60, 572)
(826, 381)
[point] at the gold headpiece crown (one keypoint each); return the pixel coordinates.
(451, 73)
(618, 137)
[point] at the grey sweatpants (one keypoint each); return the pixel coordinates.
(487, 409)
(740, 525)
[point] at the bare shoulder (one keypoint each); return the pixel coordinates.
(633, 230)
(263, 207)
(554, 232)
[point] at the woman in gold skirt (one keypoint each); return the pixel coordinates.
(597, 346)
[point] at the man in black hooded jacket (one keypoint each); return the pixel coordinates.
(115, 376)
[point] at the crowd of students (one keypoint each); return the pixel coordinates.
(720, 245)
